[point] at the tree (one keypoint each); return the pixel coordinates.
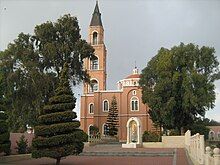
(22, 145)
(33, 59)
(5, 143)
(58, 134)
(178, 84)
(112, 119)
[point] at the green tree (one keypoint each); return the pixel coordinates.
(178, 84)
(33, 59)
(5, 143)
(112, 119)
(22, 145)
(58, 134)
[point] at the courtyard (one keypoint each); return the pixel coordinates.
(115, 155)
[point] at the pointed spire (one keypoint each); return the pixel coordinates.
(96, 16)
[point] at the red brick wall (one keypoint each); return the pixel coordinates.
(16, 136)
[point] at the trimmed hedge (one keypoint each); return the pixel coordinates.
(57, 117)
(58, 107)
(56, 128)
(57, 140)
(58, 134)
(61, 99)
(3, 127)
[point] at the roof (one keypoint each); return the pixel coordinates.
(133, 76)
(214, 128)
(96, 17)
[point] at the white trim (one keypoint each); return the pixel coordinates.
(136, 99)
(103, 105)
(111, 91)
(89, 127)
(89, 86)
(89, 108)
(95, 31)
(134, 92)
(103, 128)
(123, 115)
(139, 133)
(90, 65)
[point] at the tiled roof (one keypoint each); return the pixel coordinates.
(133, 76)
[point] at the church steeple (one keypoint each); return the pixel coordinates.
(96, 17)
(96, 68)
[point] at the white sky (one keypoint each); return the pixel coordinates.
(134, 29)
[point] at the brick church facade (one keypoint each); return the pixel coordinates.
(96, 99)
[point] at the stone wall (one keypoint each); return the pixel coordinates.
(167, 142)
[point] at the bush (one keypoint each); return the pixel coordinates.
(22, 145)
(174, 132)
(150, 137)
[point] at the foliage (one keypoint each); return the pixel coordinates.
(150, 137)
(112, 119)
(208, 122)
(201, 129)
(58, 134)
(93, 130)
(173, 132)
(22, 145)
(33, 59)
(178, 84)
(5, 143)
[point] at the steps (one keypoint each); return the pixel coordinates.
(126, 153)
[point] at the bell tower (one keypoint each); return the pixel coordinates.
(96, 68)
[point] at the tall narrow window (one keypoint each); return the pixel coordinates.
(134, 104)
(94, 64)
(105, 129)
(95, 38)
(105, 106)
(91, 108)
(94, 86)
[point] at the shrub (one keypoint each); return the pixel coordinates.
(22, 145)
(150, 137)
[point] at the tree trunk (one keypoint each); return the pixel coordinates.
(58, 161)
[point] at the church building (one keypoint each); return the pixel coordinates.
(96, 99)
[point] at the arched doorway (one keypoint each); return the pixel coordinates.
(134, 130)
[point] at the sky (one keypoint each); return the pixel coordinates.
(134, 29)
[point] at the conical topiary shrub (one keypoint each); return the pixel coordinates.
(5, 143)
(57, 134)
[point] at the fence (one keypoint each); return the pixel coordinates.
(195, 145)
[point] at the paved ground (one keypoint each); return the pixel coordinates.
(177, 158)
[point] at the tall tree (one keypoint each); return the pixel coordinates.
(37, 58)
(112, 119)
(178, 84)
(58, 134)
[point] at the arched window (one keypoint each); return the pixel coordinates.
(91, 108)
(105, 106)
(95, 38)
(94, 64)
(134, 104)
(90, 129)
(211, 135)
(105, 129)
(94, 86)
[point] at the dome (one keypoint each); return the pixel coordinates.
(133, 76)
